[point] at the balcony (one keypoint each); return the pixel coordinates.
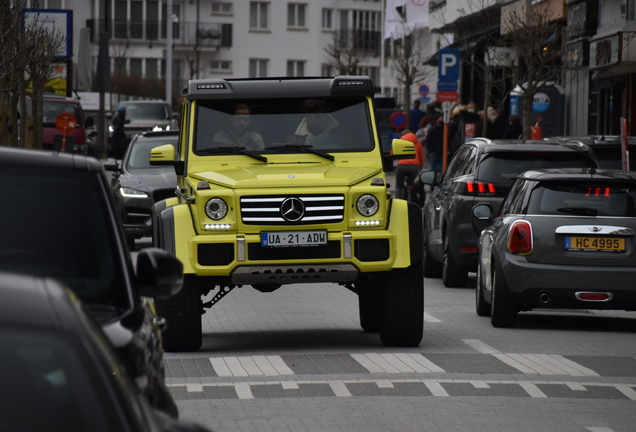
(203, 35)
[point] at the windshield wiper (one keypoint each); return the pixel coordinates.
(239, 150)
(583, 211)
(304, 148)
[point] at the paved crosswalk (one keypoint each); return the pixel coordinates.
(396, 363)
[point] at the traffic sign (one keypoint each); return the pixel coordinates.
(398, 120)
(448, 64)
(66, 122)
(424, 90)
(447, 96)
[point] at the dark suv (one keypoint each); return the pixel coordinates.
(59, 221)
(481, 172)
(607, 149)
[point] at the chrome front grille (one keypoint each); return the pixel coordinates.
(292, 210)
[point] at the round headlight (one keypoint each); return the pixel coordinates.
(368, 205)
(216, 209)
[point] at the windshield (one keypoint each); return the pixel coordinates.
(139, 154)
(147, 111)
(51, 109)
(277, 125)
(609, 156)
(592, 198)
(504, 168)
(47, 385)
(58, 226)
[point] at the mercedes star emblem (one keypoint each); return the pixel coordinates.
(292, 209)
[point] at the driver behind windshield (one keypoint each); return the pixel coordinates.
(240, 134)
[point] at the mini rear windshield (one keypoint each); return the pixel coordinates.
(591, 198)
(503, 168)
(273, 125)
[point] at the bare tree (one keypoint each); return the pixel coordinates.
(539, 43)
(407, 57)
(349, 50)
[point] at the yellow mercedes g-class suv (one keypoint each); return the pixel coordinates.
(282, 181)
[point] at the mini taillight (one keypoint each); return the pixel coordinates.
(480, 188)
(520, 238)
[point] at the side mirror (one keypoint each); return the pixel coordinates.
(159, 273)
(111, 165)
(403, 148)
(89, 122)
(482, 212)
(167, 155)
(428, 177)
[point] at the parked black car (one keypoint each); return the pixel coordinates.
(58, 370)
(607, 149)
(481, 171)
(59, 221)
(560, 236)
(137, 185)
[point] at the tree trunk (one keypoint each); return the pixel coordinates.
(527, 111)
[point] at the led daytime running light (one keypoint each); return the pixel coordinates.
(218, 226)
(367, 222)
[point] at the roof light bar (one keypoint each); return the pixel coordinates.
(210, 86)
(350, 83)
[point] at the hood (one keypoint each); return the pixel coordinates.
(150, 179)
(288, 175)
(135, 123)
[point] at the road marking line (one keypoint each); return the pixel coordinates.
(532, 389)
(366, 363)
(568, 367)
(280, 366)
(220, 367)
(575, 386)
(426, 363)
(479, 384)
(234, 364)
(249, 365)
(265, 366)
(598, 429)
(480, 346)
(289, 385)
(194, 388)
(384, 384)
(627, 390)
(396, 362)
(339, 389)
(419, 363)
(374, 363)
(430, 319)
(435, 388)
(514, 363)
(243, 391)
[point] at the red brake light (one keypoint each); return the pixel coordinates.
(480, 188)
(520, 238)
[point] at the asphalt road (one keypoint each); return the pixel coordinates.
(297, 360)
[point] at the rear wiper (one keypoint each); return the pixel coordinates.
(583, 211)
(304, 148)
(239, 150)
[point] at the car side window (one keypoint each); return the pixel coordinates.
(512, 203)
(468, 168)
(456, 166)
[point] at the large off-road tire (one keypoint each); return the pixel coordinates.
(369, 304)
(182, 312)
(453, 275)
(403, 307)
(503, 312)
(432, 268)
(481, 307)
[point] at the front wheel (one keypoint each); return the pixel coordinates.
(403, 308)
(503, 312)
(182, 312)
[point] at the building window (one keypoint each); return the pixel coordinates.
(327, 19)
(296, 15)
(370, 71)
(135, 67)
(221, 66)
(221, 8)
(151, 68)
(326, 70)
(258, 68)
(47, 4)
(259, 15)
(295, 68)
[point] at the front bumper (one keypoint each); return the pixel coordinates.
(529, 283)
(247, 262)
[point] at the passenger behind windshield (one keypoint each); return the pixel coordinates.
(240, 134)
(317, 122)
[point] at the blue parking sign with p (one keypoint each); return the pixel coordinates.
(448, 65)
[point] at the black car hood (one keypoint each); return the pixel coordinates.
(149, 179)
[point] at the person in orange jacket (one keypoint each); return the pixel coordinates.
(408, 169)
